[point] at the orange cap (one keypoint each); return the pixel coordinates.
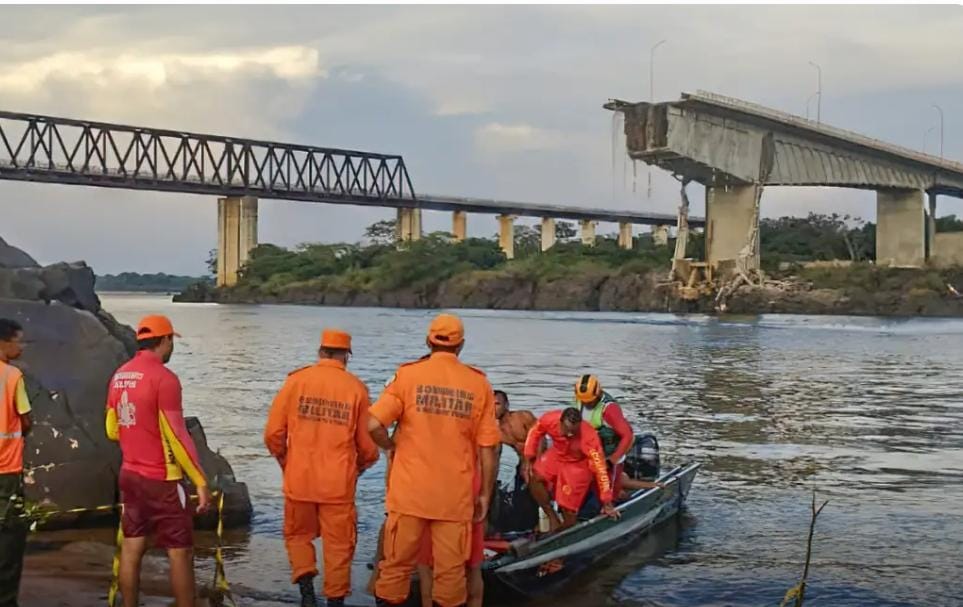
(336, 340)
(446, 330)
(155, 325)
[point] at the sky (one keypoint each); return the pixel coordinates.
(484, 101)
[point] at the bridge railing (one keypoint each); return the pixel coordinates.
(59, 150)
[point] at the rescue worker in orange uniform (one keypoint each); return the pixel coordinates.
(14, 425)
(445, 416)
(567, 466)
(318, 431)
(145, 415)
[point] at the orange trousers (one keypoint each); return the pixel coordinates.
(336, 525)
(450, 543)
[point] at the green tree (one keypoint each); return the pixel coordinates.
(382, 232)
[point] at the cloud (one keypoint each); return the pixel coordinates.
(496, 137)
(106, 69)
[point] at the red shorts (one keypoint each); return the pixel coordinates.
(571, 481)
(157, 508)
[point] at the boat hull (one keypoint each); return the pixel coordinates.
(542, 567)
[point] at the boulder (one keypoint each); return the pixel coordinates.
(73, 347)
(12, 257)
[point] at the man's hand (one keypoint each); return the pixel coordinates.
(609, 510)
(481, 507)
(203, 500)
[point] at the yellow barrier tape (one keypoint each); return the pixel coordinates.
(221, 589)
(115, 569)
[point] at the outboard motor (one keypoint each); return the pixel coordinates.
(642, 461)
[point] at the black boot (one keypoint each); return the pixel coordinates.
(335, 602)
(306, 584)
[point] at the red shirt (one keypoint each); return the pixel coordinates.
(578, 449)
(144, 414)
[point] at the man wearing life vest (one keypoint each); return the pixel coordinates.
(144, 413)
(568, 466)
(445, 415)
(14, 425)
(601, 411)
(318, 431)
(605, 415)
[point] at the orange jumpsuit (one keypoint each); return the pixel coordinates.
(318, 429)
(445, 411)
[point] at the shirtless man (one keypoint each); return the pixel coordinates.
(514, 425)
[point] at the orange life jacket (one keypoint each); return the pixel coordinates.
(11, 430)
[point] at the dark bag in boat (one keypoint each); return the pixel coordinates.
(512, 509)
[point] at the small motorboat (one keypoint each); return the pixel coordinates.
(523, 564)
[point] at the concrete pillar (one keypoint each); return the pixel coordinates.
(506, 235)
(730, 213)
(625, 235)
(900, 228)
(588, 232)
(459, 225)
(548, 233)
(409, 224)
(236, 236)
(931, 227)
(660, 236)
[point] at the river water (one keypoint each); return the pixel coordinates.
(867, 412)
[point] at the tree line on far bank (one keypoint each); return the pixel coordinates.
(378, 264)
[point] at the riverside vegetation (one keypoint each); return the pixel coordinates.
(437, 272)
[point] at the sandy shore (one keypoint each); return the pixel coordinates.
(73, 569)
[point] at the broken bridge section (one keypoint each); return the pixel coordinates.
(736, 148)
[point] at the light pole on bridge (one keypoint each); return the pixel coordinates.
(940, 110)
(819, 91)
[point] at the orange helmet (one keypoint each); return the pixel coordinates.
(587, 389)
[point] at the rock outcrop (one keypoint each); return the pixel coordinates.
(72, 348)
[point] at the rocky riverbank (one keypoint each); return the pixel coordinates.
(851, 290)
(73, 347)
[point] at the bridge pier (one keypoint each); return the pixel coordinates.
(506, 235)
(900, 228)
(459, 225)
(236, 236)
(548, 233)
(730, 218)
(660, 236)
(625, 235)
(588, 232)
(409, 224)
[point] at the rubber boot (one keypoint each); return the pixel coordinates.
(306, 585)
(335, 602)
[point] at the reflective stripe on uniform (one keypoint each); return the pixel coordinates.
(10, 435)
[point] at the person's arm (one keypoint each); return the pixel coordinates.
(488, 438)
(276, 429)
(22, 404)
(614, 417)
(386, 411)
(174, 429)
(534, 440)
(170, 418)
(367, 450)
(592, 449)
